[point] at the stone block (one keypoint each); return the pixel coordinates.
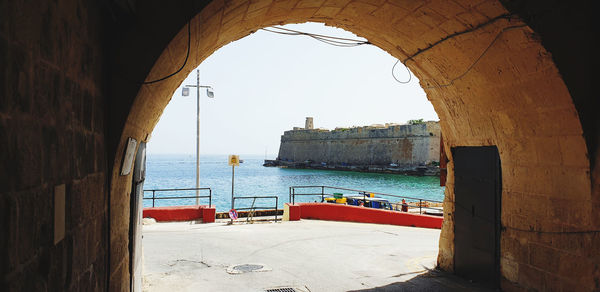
(513, 249)
(309, 3)
(19, 83)
(531, 277)
(74, 201)
(8, 176)
(509, 270)
(429, 16)
(573, 151)
(576, 268)
(300, 14)
(327, 12)
(568, 125)
(119, 279)
(544, 258)
(471, 17)
(255, 5)
(580, 214)
(491, 9)
(58, 262)
(508, 286)
(234, 14)
(87, 113)
(357, 10)
(569, 183)
(119, 251)
(253, 19)
(27, 235)
(336, 3)
(5, 99)
(548, 150)
(9, 244)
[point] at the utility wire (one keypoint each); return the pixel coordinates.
(407, 70)
(478, 58)
(347, 42)
(336, 41)
(187, 55)
(339, 42)
(451, 36)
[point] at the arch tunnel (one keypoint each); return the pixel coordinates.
(516, 75)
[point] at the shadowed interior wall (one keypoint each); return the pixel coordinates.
(52, 117)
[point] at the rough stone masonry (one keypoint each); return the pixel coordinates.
(378, 148)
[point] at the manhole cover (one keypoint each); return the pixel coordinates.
(246, 268)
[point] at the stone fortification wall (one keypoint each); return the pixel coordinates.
(405, 145)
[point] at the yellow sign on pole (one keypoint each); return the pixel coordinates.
(234, 160)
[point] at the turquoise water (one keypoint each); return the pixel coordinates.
(252, 179)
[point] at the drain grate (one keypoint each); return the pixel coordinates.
(284, 289)
(247, 268)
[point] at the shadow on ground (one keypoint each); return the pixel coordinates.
(433, 280)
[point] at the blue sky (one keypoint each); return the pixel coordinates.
(267, 83)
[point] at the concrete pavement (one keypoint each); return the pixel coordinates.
(308, 255)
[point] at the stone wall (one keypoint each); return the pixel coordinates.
(405, 145)
(52, 115)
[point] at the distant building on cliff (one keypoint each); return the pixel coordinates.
(413, 149)
(308, 125)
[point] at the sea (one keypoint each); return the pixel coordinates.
(177, 171)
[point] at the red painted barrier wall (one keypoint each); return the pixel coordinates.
(208, 214)
(294, 211)
(337, 212)
(180, 213)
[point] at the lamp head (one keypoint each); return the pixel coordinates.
(210, 93)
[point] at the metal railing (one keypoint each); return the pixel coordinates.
(253, 208)
(323, 194)
(154, 197)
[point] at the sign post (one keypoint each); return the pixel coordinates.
(234, 160)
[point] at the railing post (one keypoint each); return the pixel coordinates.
(294, 196)
(290, 195)
(209, 198)
(276, 204)
(420, 204)
(153, 198)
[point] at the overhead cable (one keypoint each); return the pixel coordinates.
(451, 82)
(334, 41)
(187, 55)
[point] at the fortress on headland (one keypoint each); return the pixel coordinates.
(390, 148)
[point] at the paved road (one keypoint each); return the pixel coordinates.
(308, 255)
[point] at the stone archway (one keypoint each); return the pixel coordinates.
(489, 79)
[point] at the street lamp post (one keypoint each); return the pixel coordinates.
(210, 94)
